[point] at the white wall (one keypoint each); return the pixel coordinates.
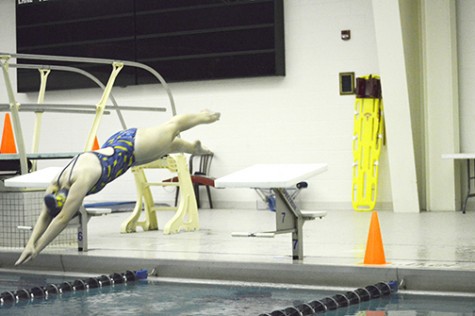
(466, 76)
(466, 59)
(441, 101)
(297, 118)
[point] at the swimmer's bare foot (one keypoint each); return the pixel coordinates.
(200, 149)
(209, 116)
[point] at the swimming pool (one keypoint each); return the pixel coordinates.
(156, 296)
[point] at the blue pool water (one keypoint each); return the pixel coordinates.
(158, 297)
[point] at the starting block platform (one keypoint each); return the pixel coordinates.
(278, 178)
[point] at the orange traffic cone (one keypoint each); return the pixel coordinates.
(8, 138)
(374, 246)
(96, 146)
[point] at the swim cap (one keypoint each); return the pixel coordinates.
(55, 202)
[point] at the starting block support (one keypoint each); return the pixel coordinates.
(289, 218)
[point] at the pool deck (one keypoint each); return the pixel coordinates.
(427, 251)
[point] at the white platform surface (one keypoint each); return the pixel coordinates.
(268, 176)
(38, 179)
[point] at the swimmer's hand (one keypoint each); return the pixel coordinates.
(28, 254)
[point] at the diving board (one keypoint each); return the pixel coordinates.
(40, 156)
(278, 177)
(40, 179)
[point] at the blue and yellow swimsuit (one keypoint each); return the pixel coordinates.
(119, 162)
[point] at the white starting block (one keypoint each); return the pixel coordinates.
(278, 177)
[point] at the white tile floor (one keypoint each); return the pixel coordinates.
(433, 239)
(426, 245)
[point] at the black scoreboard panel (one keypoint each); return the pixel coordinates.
(183, 40)
(86, 28)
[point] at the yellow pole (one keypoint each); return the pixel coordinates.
(39, 114)
(116, 68)
(14, 106)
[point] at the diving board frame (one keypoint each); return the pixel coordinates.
(185, 210)
(44, 68)
(117, 65)
(289, 218)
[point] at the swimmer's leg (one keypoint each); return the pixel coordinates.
(153, 143)
(182, 146)
(183, 122)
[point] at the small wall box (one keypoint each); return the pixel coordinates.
(347, 83)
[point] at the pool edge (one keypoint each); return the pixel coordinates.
(414, 279)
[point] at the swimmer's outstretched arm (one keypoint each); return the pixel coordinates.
(47, 228)
(41, 224)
